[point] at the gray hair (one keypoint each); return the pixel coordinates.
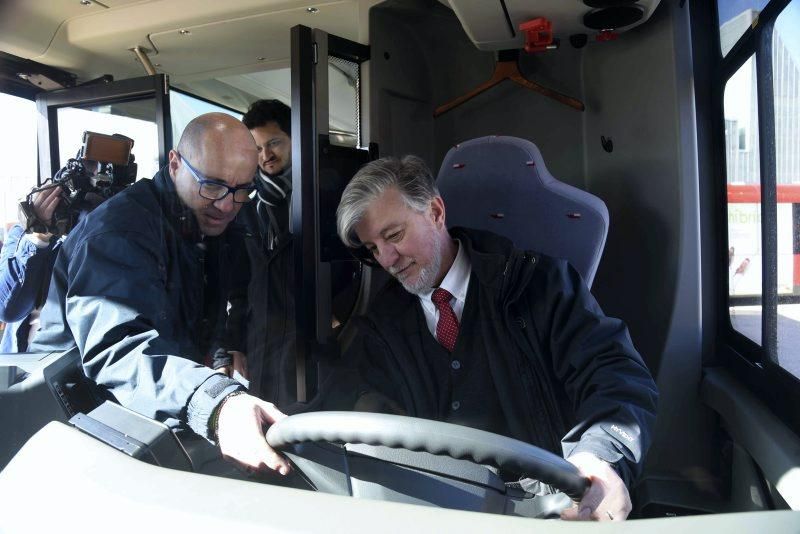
(409, 175)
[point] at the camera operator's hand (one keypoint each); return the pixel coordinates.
(44, 206)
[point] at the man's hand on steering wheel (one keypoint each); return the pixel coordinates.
(607, 498)
(240, 433)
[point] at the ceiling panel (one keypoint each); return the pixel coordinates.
(246, 40)
(225, 36)
(26, 27)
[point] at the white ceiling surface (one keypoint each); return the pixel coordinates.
(240, 42)
(275, 82)
(226, 36)
(28, 26)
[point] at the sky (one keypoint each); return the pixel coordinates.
(786, 25)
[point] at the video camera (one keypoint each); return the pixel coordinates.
(103, 167)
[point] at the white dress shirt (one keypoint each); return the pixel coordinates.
(456, 282)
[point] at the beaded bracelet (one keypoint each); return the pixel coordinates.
(213, 423)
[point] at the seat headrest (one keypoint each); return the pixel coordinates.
(501, 184)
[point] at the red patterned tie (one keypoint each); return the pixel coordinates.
(447, 327)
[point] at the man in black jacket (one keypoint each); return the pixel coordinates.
(260, 331)
(260, 340)
(139, 287)
(475, 332)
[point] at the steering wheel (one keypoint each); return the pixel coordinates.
(459, 442)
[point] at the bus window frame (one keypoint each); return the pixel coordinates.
(756, 365)
(48, 103)
(11, 83)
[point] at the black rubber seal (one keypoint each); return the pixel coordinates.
(613, 17)
(608, 3)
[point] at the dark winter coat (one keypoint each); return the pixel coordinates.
(261, 320)
(262, 316)
(129, 290)
(568, 378)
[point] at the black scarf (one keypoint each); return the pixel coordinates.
(274, 195)
(275, 190)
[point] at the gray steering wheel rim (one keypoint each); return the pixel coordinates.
(459, 442)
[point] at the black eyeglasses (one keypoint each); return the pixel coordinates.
(216, 190)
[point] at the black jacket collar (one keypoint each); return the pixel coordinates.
(495, 261)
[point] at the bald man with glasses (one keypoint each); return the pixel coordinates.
(140, 287)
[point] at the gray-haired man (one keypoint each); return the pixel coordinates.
(477, 333)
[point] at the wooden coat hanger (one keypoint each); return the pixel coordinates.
(507, 68)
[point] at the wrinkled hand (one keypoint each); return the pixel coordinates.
(607, 498)
(242, 423)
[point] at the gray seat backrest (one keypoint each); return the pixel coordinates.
(501, 184)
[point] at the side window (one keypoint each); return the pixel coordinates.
(744, 201)
(786, 98)
(762, 167)
(18, 154)
(734, 20)
(135, 119)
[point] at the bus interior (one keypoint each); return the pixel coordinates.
(682, 116)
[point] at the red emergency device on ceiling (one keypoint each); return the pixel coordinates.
(538, 34)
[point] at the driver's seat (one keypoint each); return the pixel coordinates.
(501, 184)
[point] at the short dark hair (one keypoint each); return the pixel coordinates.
(263, 111)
